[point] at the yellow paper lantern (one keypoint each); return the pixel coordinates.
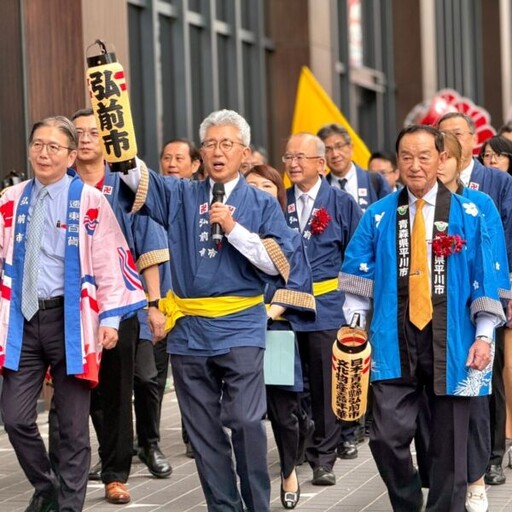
(110, 103)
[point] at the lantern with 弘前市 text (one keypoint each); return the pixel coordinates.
(110, 103)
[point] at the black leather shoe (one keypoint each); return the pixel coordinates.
(95, 472)
(41, 503)
(494, 475)
(347, 450)
(323, 476)
(290, 499)
(155, 461)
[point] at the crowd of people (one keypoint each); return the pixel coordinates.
(107, 278)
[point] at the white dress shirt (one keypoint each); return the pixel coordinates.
(351, 184)
(312, 193)
(465, 174)
(247, 243)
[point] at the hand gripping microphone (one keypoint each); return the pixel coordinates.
(218, 197)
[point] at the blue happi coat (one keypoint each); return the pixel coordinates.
(498, 185)
(325, 252)
(494, 227)
(164, 270)
(200, 269)
(465, 287)
(367, 193)
(146, 239)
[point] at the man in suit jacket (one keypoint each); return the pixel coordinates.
(310, 200)
(364, 187)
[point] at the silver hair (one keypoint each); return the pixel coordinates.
(63, 124)
(456, 115)
(319, 143)
(334, 129)
(223, 118)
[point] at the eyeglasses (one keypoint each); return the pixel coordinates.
(52, 148)
(496, 156)
(337, 147)
(93, 134)
(288, 159)
(226, 145)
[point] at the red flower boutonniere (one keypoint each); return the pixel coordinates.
(320, 221)
(445, 245)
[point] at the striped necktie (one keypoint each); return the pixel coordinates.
(29, 298)
(420, 302)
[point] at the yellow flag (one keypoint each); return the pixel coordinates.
(314, 109)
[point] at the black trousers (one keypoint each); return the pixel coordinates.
(151, 366)
(488, 419)
(162, 368)
(396, 407)
(498, 405)
(43, 347)
(479, 446)
(316, 355)
(283, 408)
(226, 391)
(111, 405)
(348, 431)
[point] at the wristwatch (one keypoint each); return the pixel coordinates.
(482, 337)
(153, 303)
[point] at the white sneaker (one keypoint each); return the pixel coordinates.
(476, 499)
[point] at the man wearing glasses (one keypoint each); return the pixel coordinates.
(66, 279)
(364, 187)
(226, 239)
(111, 401)
(310, 200)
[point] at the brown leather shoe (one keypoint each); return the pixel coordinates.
(117, 493)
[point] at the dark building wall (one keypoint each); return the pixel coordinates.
(288, 28)
(54, 57)
(43, 61)
(491, 61)
(12, 124)
(407, 57)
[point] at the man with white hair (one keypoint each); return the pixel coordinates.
(227, 239)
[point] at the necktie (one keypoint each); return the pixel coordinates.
(420, 302)
(304, 216)
(342, 183)
(29, 298)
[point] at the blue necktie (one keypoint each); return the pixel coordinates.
(29, 298)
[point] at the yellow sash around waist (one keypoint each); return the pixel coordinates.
(323, 287)
(174, 307)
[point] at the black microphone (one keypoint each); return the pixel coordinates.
(218, 197)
